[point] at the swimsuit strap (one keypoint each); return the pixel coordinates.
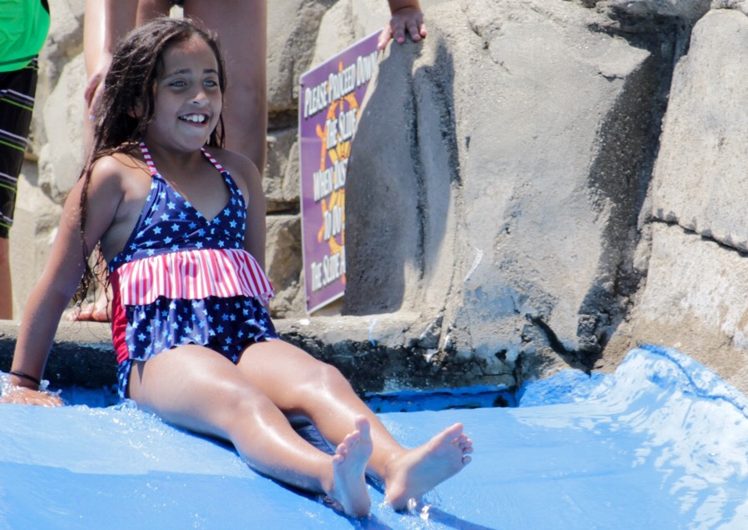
(213, 161)
(148, 159)
(152, 167)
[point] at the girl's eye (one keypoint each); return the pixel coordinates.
(178, 83)
(211, 83)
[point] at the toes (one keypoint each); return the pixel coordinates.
(464, 443)
(342, 451)
(455, 430)
(362, 426)
(452, 433)
(352, 439)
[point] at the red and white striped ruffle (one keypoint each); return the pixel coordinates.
(193, 275)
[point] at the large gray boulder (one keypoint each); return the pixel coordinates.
(700, 177)
(292, 31)
(497, 179)
(695, 294)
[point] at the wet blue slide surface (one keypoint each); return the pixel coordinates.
(662, 443)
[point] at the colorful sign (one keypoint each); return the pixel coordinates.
(329, 110)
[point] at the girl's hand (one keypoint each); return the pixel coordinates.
(404, 20)
(95, 84)
(20, 395)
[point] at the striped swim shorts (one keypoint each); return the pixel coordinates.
(17, 89)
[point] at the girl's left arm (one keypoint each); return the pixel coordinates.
(57, 285)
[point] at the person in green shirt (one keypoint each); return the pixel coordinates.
(24, 25)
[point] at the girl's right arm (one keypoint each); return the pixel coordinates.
(60, 279)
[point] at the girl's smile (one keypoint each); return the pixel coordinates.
(188, 97)
(197, 119)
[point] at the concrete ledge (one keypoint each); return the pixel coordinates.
(81, 355)
(376, 353)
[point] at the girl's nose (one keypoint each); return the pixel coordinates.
(199, 98)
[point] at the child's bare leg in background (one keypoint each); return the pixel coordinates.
(242, 31)
(105, 22)
(6, 288)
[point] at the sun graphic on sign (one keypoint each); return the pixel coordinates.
(337, 153)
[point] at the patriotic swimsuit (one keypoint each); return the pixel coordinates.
(184, 279)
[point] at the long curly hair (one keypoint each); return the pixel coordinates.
(125, 108)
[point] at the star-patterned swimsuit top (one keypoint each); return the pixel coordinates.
(180, 273)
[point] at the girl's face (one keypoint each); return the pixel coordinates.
(188, 99)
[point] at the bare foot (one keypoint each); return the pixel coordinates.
(349, 467)
(421, 469)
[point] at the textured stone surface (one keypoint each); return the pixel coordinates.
(36, 219)
(701, 181)
(695, 300)
(373, 352)
(689, 10)
(284, 264)
(281, 176)
(515, 219)
(292, 31)
(695, 293)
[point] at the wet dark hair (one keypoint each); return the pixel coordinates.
(126, 106)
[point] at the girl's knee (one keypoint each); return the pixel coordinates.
(331, 379)
(241, 403)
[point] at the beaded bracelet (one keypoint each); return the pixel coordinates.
(21, 375)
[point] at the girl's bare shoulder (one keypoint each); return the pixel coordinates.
(119, 187)
(116, 167)
(237, 164)
(240, 167)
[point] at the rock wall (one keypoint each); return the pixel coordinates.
(540, 184)
(566, 177)
(695, 294)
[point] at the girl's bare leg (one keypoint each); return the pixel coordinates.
(6, 288)
(198, 389)
(301, 385)
(241, 26)
(93, 46)
(105, 22)
(150, 9)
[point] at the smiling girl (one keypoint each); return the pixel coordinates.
(172, 212)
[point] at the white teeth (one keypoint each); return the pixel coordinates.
(194, 118)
